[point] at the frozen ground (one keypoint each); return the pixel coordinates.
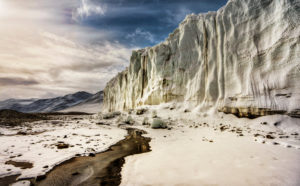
(219, 150)
(39, 142)
(88, 108)
(195, 149)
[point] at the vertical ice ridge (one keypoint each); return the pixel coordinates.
(245, 55)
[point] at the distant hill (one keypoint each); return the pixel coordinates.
(52, 104)
(91, 105)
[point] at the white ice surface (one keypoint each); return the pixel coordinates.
(85, 137)
(185, 155)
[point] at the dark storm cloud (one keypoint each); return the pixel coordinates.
(14, 81)
(140, 22)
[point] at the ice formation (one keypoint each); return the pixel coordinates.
(242, 59)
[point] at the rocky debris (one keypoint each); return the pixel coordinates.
(264, 123)
(276, 124)
(111, 115)
(250, 112)
(283, 136)
(92, 154)
(256, 135)
(62, 145)
(14, 118)
(295, 113)
(268, 136)
(223, 128)
(172, 107)
(141, 111)
(23, 133)
(102, 123)
(186, 110)
(21, 164)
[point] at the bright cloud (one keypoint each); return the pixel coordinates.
(51, 48)
(42, 54)
(142, 34)
(87, 8)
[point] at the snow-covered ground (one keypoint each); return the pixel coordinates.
(195, 149)
(88, 108)
(39, 146)
(196, 152)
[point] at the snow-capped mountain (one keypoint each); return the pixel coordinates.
(91, 105)
(46, 105)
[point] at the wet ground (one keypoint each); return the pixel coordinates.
(97, 169)
(22, 165)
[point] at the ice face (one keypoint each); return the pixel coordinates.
(244, 56)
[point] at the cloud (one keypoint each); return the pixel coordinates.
(15, 81)
(87, 8)
(60, 65)
(176, 16)
(142, 34)
(55, 48)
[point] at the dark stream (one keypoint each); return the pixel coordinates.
(101, 169)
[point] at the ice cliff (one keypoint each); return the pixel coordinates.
(243, 59)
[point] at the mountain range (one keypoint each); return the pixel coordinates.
(80, 101)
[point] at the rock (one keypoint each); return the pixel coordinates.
(21, 133)
(186, 110)
(158, 123)
(62, 146)
(102, 123)
(283, 136)
(264, 123)
(222, 128)
(41, 177)
(141, 111)
(270, 136)
(92, 154)
(256, 135)
(276, 124)
(111, 115)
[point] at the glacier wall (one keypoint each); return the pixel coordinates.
(243, 58)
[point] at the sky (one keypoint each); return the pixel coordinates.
(51, 48)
